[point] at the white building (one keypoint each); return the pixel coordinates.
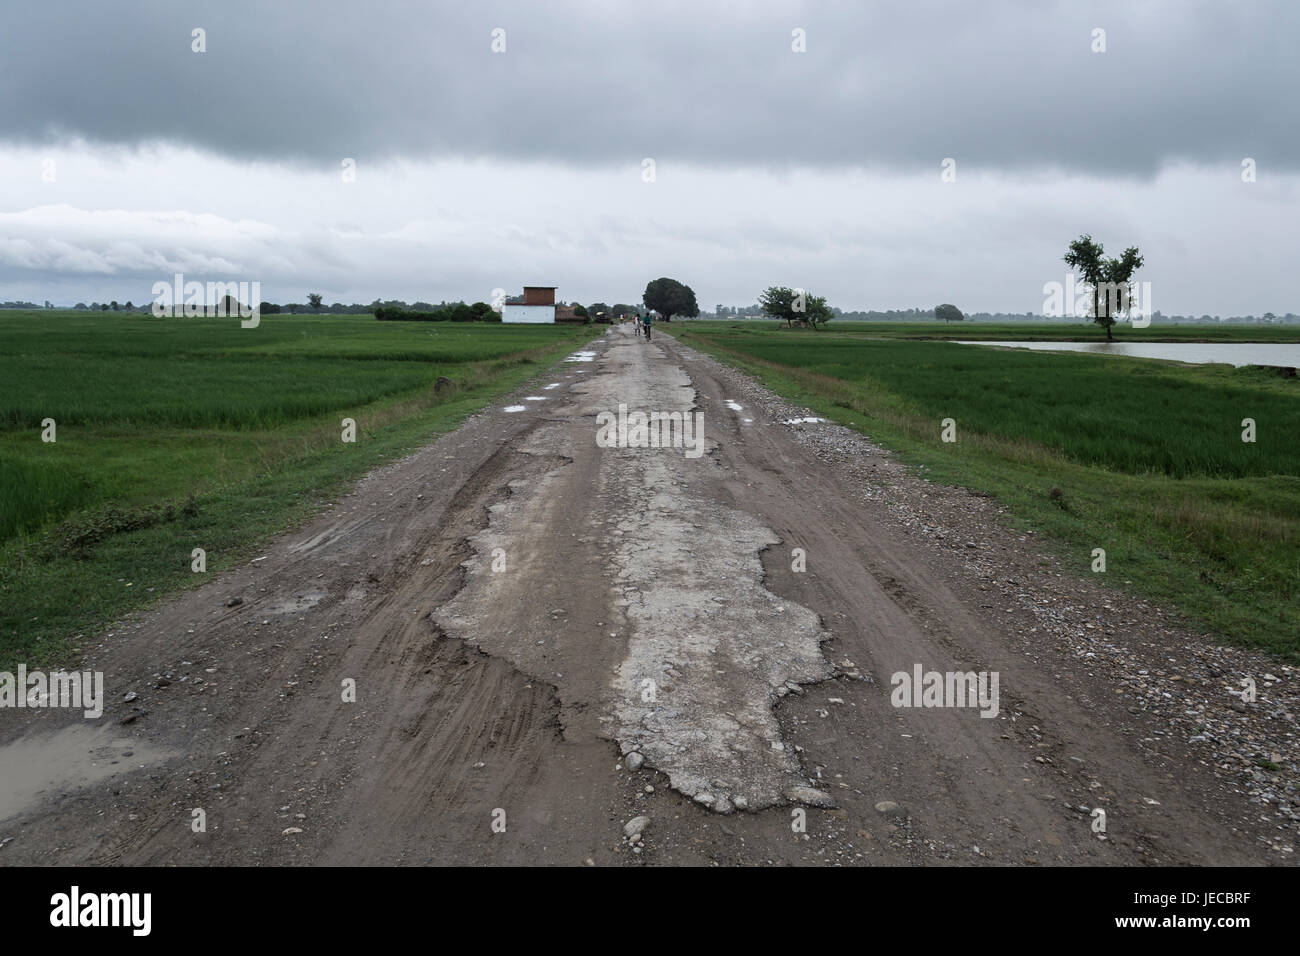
(538, 307)
(528, 314)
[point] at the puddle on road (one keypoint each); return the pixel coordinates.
(535, 398)
(37, 766)
(733, 406)
(514, 408)
(297, 603)
(801, 421)
(581, 357)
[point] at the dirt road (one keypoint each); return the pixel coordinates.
(520, 607)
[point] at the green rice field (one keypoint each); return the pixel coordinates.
(1142, 458)
(173, 431)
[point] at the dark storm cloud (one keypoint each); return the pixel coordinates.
(994, 85)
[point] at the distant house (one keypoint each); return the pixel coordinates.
(536, 307)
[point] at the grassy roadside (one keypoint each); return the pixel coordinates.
(1143, 459)
(202, 445)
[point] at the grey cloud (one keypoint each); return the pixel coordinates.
(996, 85)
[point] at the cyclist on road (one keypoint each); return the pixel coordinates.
(645, 321)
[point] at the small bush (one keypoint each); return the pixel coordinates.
(78, 536)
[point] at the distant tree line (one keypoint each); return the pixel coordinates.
(455, 312)
(614, 312)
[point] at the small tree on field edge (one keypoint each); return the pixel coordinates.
(1109, 278)
(795, 306)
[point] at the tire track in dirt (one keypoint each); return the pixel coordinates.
(1012, 786)
(440, 736)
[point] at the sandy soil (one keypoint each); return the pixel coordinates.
(527, 614)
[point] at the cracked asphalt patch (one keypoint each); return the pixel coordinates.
(702, 647)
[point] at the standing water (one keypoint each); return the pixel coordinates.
(1286, 355)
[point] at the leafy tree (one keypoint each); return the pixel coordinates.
(817, 312)
(1085, 257)
(314, 298)
(1109, 278)
(482, 312)
(594, 310)
(581, 311)
(669, 297)
(948, 313)
(794, 306)
(1118, 275)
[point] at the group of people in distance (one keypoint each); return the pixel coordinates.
(641, 324)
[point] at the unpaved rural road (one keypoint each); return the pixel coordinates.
(519, 607)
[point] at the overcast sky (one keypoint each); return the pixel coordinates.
(126, 156)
